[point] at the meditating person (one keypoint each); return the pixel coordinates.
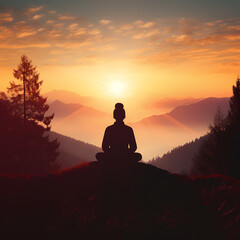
(119, 143)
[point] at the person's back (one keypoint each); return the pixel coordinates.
(119, 141)
(119, 138)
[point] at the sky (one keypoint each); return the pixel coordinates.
(131, 51)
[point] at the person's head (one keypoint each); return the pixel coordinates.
(119, 112)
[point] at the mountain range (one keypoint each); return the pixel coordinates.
(155, 135)
(168, 104)
(62, 110)
(193, 116)
(79, 121)
(159, 134)
(67, 97)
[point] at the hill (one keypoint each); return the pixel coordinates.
(61, 109)
(72, 151)
(159, 134)
(179, 159)
(169, 104)
(95, 202)
(85, 123)
(200, 113)
(77, 120)
(191, 116)
(67, 97)
(155, 135)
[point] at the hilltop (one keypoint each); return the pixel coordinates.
(91, 201)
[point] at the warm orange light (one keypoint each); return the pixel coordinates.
(117, 88)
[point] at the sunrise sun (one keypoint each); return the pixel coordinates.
(117, 88)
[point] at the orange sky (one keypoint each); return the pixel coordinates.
(143, 60)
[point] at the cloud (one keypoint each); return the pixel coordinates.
(73, 45)
(73, 26)
(38, 16)
(50, 21)
(138, 22)
(25, 34)
(94, 31)
(80, 31)
(52, 12)
(24, 46)
(65, 17)
(77, 32)
(148, 42)
(146, 34)
(5, 17)
(34, 9)
(216, 43)
(6, 33)
(147, 25)
(105, 22)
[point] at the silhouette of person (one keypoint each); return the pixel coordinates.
(119, 143)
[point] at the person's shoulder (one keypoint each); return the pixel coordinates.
(128, 127)
(109, 127)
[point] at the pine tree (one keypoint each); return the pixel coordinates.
(234, 113)
(233, 130)
(25, 145)
(212, 153)
(220, 153)
(25, 96)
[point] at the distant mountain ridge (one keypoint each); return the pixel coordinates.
(155, 135)
(201, 112)
(72, 151)
(191, 115)
(67, 97)
(159, 134)
(179, 159)
(61, 109)
(168, 104)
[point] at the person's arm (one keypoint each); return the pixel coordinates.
(105, 142)
(132, 141)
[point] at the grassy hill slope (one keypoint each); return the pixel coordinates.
(91, 201)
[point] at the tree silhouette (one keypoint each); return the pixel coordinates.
(25, 145)
(234, 113)
(25, 96)
(220, 152)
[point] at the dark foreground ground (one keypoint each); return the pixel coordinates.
(141, 202)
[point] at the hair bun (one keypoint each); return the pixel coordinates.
(119, 106)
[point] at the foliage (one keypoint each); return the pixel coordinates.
(34, 103)
(179, 159)
(220, 152)
(25, 144)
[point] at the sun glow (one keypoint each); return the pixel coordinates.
(117, 88)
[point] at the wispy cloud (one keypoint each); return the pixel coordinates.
(105, 21)
(5, 17)
(25, 34)
(146, 34)
(65, 17)
(37, 16)
(147, 25)
(157, 41)
(35, 9)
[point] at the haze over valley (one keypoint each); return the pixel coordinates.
(155, 134)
